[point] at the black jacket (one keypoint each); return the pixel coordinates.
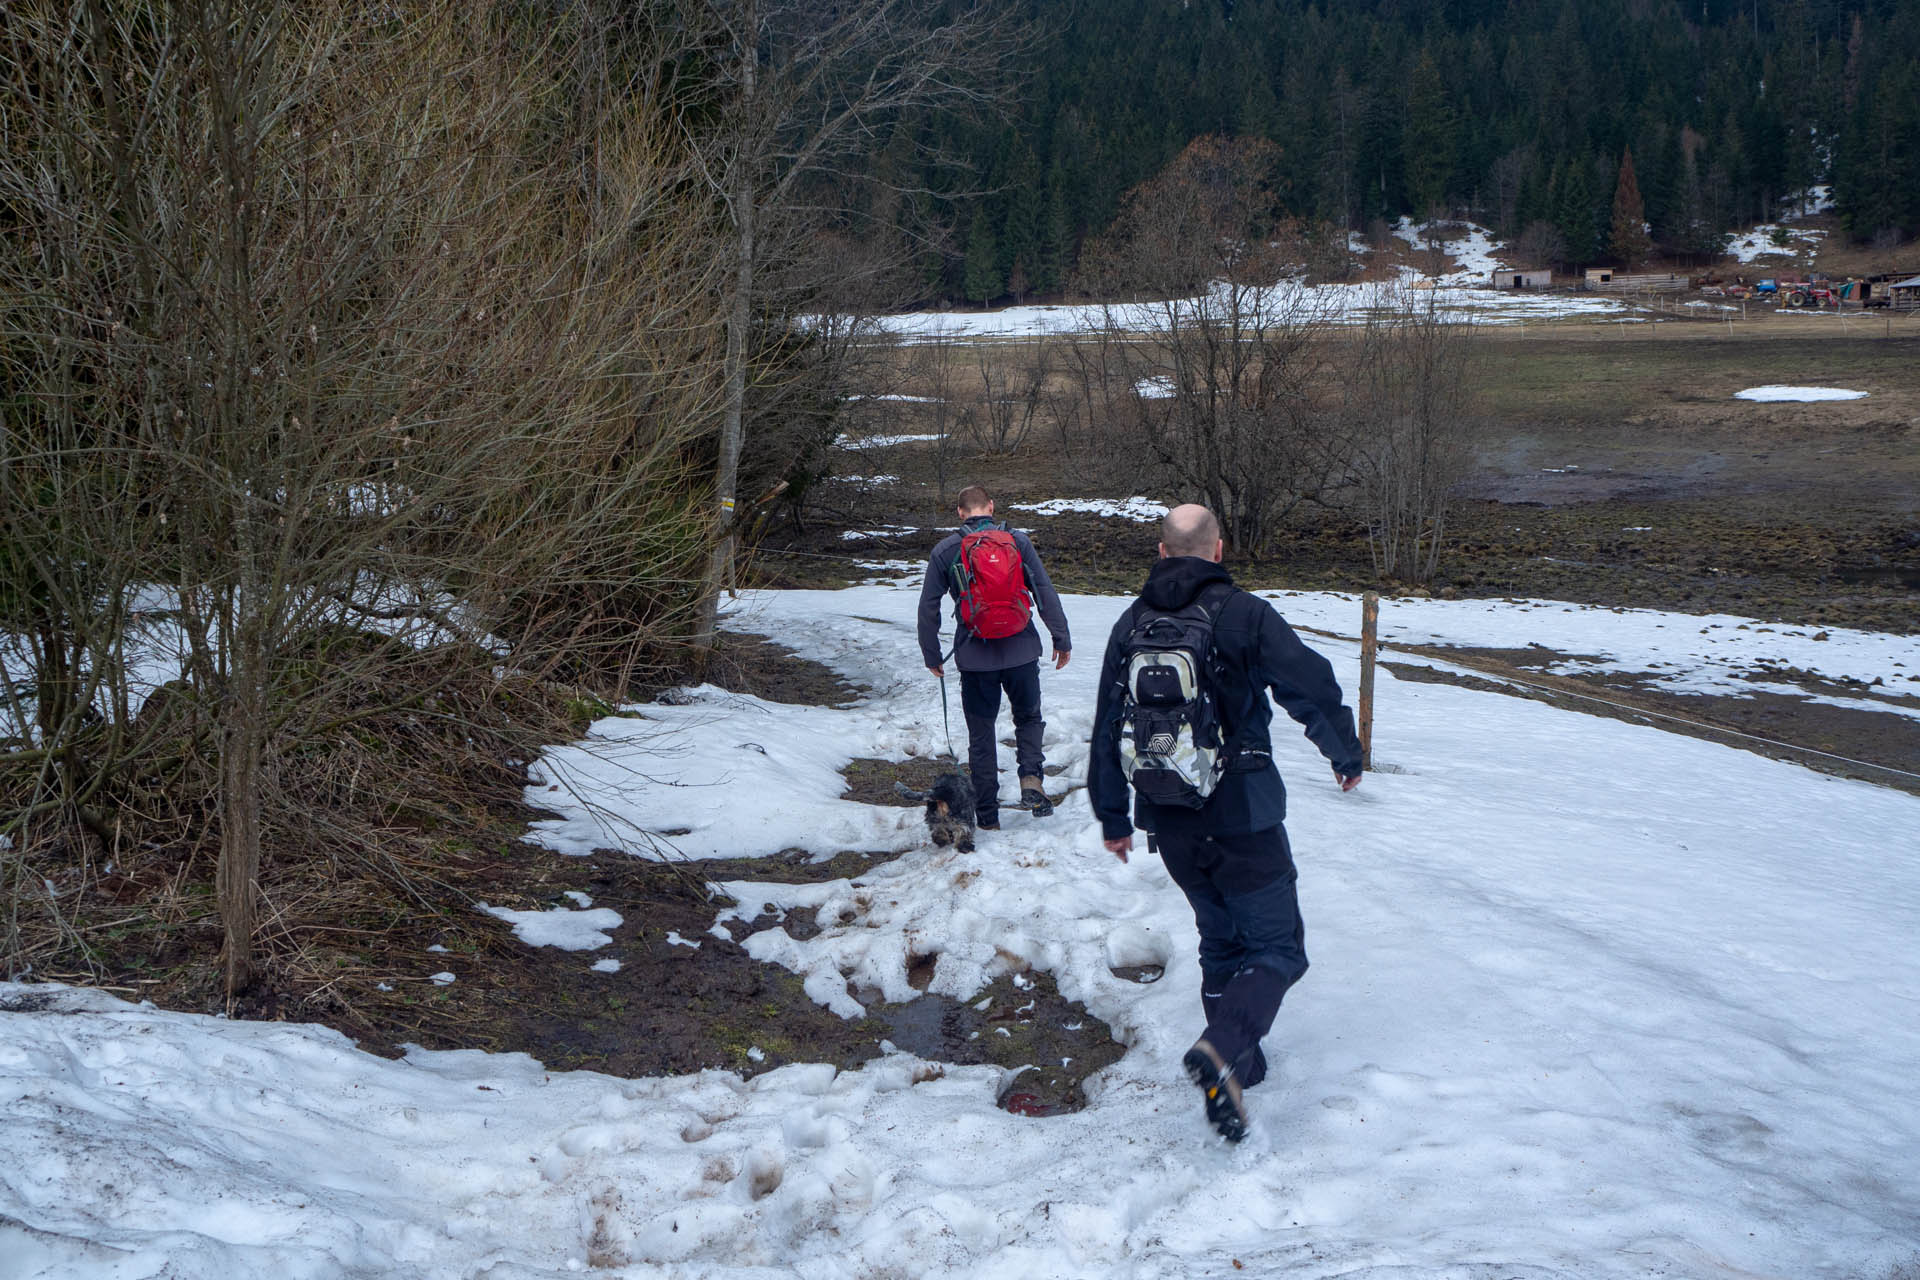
(974, 653)
(1258, 652)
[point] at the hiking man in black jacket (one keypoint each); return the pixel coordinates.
(987, 666)
(1230, 855)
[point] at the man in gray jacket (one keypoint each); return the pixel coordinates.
(987, 666)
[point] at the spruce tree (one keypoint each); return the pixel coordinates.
(1432, 137)
(982, 280)
(1629, 241)
(1574, 211)
(1056, 238)
(1025, 226)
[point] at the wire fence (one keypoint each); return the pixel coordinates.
(1497, 673)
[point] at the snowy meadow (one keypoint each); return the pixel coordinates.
(1588, 1000)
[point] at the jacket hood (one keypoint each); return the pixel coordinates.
(1176, 580)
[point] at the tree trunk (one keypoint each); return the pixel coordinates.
(239, 872)
(739, 321)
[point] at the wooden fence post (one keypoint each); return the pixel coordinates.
(1369, 650)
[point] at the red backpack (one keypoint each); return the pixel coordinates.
(992, 583)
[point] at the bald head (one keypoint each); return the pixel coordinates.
(1191, 530)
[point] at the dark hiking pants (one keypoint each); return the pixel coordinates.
(980, 703)
(1252, 941)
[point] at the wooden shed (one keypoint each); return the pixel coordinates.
(1531, 279)
(1904, 295)
(1607, 280)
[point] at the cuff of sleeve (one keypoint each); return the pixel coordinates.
(1115, 828)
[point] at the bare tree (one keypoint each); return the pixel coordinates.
(1221, 371)
(1407, 379)
(934, 372)
(1013, 382)
(806, 88)
(1541, 245)
(340, 379)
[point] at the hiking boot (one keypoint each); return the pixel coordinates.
(987, 826)
(1211, 1074)
(1033, 799)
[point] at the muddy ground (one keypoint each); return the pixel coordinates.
(374, 965)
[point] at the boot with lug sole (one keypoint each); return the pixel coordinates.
(1226, 1112)
(1033, 798)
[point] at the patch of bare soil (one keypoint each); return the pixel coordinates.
(436, 971)
(744, 662)
(872, 781)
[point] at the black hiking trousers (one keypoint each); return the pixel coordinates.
(980, 704)
(1252, 942)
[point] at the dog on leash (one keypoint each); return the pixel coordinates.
(949, 810)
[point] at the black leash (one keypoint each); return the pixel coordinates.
(946, 716)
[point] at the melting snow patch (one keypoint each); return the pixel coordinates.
(674, 939)
(1144, 510)
(881, 442)
(889, 567)
(606, 966)
(441, 979)
(567, 930)
(1759, 242)
(891, 531)
(1772, 394)
(1155, 389)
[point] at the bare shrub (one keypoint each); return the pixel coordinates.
(1221, 372)
(356, 358)
(1013, 382)
(1407, 379)
(1541, 245)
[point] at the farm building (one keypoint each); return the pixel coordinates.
(1607, 280)
(1904, 295)
(1539, 279)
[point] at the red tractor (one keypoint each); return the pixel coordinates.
(1808, 293)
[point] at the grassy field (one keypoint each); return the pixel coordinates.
(1615, 467)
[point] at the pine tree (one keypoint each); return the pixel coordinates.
(982, 281)
(1574, 211)
(1432, 137)
(1025, 226)
(1056, 238)
(1629, 241)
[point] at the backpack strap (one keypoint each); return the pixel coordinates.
(1214, 600)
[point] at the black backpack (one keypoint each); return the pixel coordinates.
(1172, 746)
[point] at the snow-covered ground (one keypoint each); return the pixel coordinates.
(1751, 246)
(1137, 509)
(1463, 294)
(1470, 246)
(1339, 303)
(1588, 1000)
(1773, 394)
